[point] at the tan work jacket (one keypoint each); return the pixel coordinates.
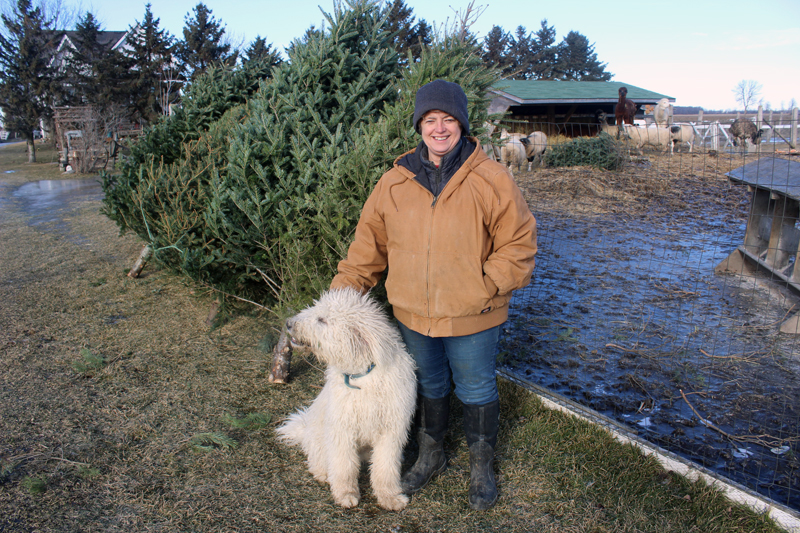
(453, 260)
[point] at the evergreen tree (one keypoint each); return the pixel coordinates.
(239, 195)
(577, 60)
(545, 53)
(79, 68)
(98, 75)
(260, 51)
(154, 86)
(202, 44)
(495, 52)
(409, 38)
(260, 199)
(521, 56)
(28, 85)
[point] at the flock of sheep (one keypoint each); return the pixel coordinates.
(517, 148)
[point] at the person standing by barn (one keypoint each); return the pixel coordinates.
(457, 237)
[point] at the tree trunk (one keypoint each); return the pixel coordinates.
(212, 313)
(281, 358)
(31, 151)
(143, 257)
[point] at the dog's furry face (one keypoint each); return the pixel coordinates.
(343, 328)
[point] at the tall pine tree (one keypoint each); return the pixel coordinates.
(521, 55)
(260, 51)
(29, 86)
(99, 75)
(409, 38)
(156, 77)
(577, 60)
(202, 44)
(545, 53)
(495, 52)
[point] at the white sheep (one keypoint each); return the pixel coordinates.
(682, 133)
(513, 152)
(661, 112)
(535, 147)
(655, 136)
(519, 148)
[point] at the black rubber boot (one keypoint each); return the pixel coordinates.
(431, 461)
(480, 426)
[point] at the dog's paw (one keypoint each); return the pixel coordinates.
(347, 499)
(393, 502)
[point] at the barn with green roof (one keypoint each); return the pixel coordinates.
(570, 108)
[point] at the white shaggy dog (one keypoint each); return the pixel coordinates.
(367, 402)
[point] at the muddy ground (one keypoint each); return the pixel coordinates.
(627, 316)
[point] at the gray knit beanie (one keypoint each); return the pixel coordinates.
(443, 96)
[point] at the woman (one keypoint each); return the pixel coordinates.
(457, 238)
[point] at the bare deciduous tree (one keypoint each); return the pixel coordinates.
(747, 93)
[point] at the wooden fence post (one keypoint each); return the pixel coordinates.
(793, 129)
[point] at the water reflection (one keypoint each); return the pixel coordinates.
(45, 200)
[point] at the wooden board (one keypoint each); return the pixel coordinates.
(770, 173)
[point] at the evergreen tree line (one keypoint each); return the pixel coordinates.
(141, 81)
(537, 56)
(138, 81)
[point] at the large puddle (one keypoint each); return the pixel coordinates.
(46, 203)
(627, 317)
(47, 200)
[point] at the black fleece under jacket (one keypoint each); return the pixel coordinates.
(429, 175)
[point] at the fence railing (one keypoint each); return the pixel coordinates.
(779, 130)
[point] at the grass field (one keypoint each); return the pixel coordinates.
(121, 410)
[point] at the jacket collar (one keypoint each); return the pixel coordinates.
(410, 165)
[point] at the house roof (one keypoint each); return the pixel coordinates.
(522, 92)
(109, 39)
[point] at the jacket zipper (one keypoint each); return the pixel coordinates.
(428, 267)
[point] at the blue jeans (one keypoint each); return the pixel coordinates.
(470, 361)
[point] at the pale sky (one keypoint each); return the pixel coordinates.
(695, 51)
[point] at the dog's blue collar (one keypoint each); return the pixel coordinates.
(347, 377)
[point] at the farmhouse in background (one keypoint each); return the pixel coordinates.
(564, 107)
(68, 45)
(112, 40)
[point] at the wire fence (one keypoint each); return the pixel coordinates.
(664, 298)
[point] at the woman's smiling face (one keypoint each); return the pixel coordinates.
(440, 133)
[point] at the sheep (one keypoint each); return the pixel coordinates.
(681, 133)
(661, 112)
(744, 129)
(512, 152)
(533, 148)
(625, 109)
(655, 136)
